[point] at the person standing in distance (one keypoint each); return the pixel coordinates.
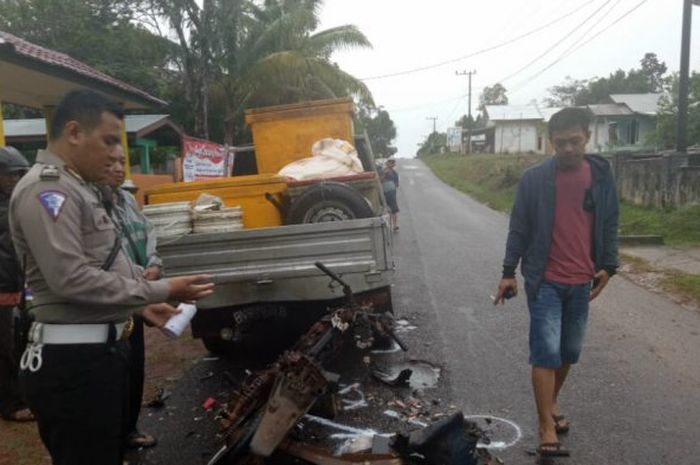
(390, 184)
(74, 372)
(12, 407)
(563, 232)
(139, 243)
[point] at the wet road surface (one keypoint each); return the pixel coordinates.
(633, 399)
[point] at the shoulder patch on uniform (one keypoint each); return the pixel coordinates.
(49, 172)
(53, 202)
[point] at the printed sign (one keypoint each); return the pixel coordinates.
(203, 160)
(454, 138)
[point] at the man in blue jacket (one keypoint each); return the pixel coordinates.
(563, 231)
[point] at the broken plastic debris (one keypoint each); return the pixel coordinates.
(392, 378)
(209, 404)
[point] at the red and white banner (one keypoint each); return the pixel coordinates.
(202, 160)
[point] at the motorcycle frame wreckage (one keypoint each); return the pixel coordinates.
(272, 401)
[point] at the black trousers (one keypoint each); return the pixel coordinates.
(10, 397)
(80, 399)
(136, 374)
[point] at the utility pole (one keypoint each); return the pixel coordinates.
(434, 118)
(469, 110)
(682, 133)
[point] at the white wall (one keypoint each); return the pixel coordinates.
(517, 136)
(599, 136)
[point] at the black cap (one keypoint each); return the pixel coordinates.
(12, 161)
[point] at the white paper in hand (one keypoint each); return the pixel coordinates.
(177, 323)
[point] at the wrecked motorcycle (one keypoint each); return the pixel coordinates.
(269, 403)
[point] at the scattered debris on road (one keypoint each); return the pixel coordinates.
(159, 399)
(267, 413)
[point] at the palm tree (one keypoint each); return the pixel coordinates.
(281, 60)
(242, 53)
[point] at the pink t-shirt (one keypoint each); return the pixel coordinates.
(570, 259)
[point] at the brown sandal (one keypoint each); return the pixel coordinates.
(552, 449)
(138, 440)
(558, 426)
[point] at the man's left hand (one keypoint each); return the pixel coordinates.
(152, 273)
(600, 280)
(159, 314)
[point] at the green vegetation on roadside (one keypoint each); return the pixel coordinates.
(683, 284)
(492, 180)
(679, 226)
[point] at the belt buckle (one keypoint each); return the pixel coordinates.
(128, 329)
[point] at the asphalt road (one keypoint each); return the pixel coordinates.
(633, 399)
(635, 396)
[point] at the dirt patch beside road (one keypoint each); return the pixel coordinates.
(680, 287)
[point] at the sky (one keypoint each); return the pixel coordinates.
(577, 38)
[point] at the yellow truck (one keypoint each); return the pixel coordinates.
(265, 273)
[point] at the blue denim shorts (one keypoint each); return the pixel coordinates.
(558, 316)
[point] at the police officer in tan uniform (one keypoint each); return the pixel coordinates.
(74, 371)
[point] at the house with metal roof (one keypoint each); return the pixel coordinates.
(624, 122)
(143, 131)
(517, 128)
(37, 77)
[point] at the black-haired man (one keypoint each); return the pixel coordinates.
(563, 231)
(75, 368)
(13, 166)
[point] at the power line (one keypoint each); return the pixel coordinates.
(431, 104)
(576, 43)
(482, 51)
(582, 44)
(556, 44)
(517, 87)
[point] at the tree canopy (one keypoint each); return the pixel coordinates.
(380, 129)
(666, 131)
(210, 59)
(649, 77)
(493, 95)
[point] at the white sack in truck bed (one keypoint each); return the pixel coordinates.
(331, 158)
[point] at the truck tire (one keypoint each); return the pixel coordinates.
(329, 201)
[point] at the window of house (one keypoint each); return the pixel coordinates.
(612, 133)
(634, 132)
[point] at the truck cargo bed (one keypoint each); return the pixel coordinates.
(277, 264)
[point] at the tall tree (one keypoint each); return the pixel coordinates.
(570, 93)
(100, 33)
(665, 137)
(246, 53)
(435, 143)
(654, 71)
(380, 129)
(471, 123)
(285, 60)
(648, 78)
(493, 95)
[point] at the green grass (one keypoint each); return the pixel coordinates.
(681, 285)
(679, 226)
(492, 179)
(684, 284)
